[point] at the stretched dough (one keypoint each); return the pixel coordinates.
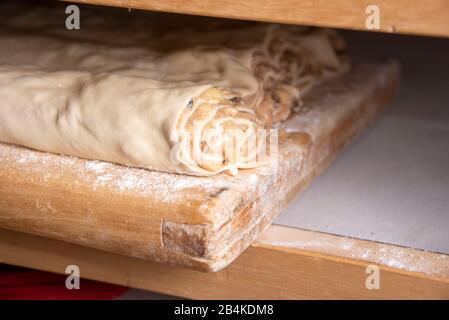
(159, 104)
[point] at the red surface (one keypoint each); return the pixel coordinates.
(19, 283)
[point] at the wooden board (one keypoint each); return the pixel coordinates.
(400, 16)
(284, 263)
(204, 223)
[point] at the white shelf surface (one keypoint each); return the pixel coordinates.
(392, 184)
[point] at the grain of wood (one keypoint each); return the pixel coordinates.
(400, 16)
(264, 271)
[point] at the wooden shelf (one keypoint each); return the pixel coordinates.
(402, 16)
(285, 263)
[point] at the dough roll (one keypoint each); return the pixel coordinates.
(189, 101)
(113, 118)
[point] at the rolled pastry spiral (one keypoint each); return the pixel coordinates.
(290, 63)
(218, 133)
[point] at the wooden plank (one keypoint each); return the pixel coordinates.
(390, 255)
(204, 223)
(403, 16)
(284, 263)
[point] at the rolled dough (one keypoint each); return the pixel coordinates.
(160, 98)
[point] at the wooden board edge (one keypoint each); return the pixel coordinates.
(395, 16)
(407, 260)
(261, 272)
(334, 141)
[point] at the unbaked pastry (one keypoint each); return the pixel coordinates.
(172, 101)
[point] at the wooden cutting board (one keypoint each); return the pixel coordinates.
(199, 222)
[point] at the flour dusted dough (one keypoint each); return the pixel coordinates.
(149, 101)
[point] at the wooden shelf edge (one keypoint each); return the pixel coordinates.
(402, 16)
(389, 256)
(266, 270)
